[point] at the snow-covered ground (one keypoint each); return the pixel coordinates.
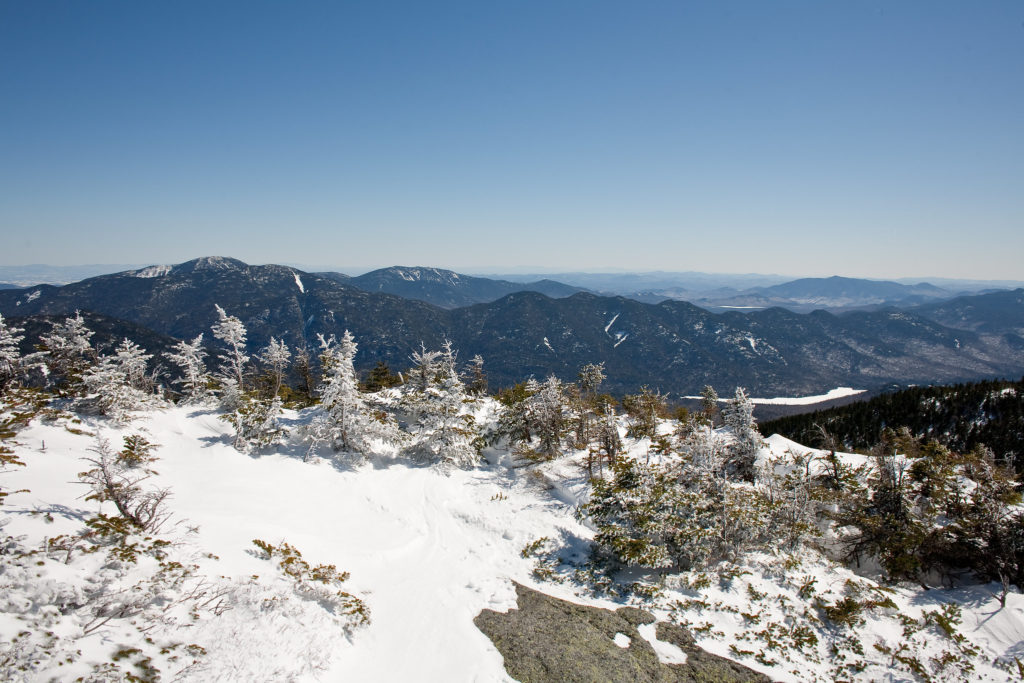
(838, 392)
(426, 549)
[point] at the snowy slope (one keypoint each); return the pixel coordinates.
(427, 550)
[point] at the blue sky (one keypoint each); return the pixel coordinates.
(805, 138)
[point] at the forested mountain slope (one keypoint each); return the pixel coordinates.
(448, 289)
(960, 417)
(672, 346)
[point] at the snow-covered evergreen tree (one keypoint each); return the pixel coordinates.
(705, 450)
(709, 403)
(425, 366)
(257, 422)
(714, 517)
(351, 424)
(631, 511)
(514, 422)
(584, 404)
(644, 409)
(232, 332)
(606, 444)
(275, 356)
(195, 379)
(118, 385)
(478, 378)
(67, 352)
(444, 432)
(547, 408)
(591, 376)
(10, 354)
(738, 416)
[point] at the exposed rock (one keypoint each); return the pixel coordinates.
(546, 639)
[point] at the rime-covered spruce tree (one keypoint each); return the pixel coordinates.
(349, 425)
(478, 378)
(644, 409)
(547, 409)
(443, 432)
(738, 416)
(584, 403)
(256, 421)
(275, 356)
(10, 354)
(685, 515)
(514, 421)
(709, 403)
(230, 330)
(118, 384)
(67, 352)
(195, 380)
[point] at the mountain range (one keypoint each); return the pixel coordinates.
(446, 288)
(673, 346)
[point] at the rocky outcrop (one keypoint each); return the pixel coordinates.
(546, 640)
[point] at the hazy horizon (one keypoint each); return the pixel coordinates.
(41, 273)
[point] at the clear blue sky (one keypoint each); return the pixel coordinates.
(806, 138)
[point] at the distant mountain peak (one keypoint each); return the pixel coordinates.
(419, 273)
(446, 288)
(210, 263)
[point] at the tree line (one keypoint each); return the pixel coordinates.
(961, 417)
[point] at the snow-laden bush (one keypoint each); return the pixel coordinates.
(256, 421)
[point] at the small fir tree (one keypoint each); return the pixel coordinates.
(547, 409)
(67, 354)
(514, 421)
(118, 385)
(739, 418)
(257, 422)
(444, 432)
(381, 377)
(351, 425)
(584, 404)
(195, 380)
(631, 511)
(10, 354)
(276, 357)
(709, 404)
(477, 377)
(230, 330)
(644, 409)
(304, 370)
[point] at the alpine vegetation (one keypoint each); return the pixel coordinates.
(143, 538)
